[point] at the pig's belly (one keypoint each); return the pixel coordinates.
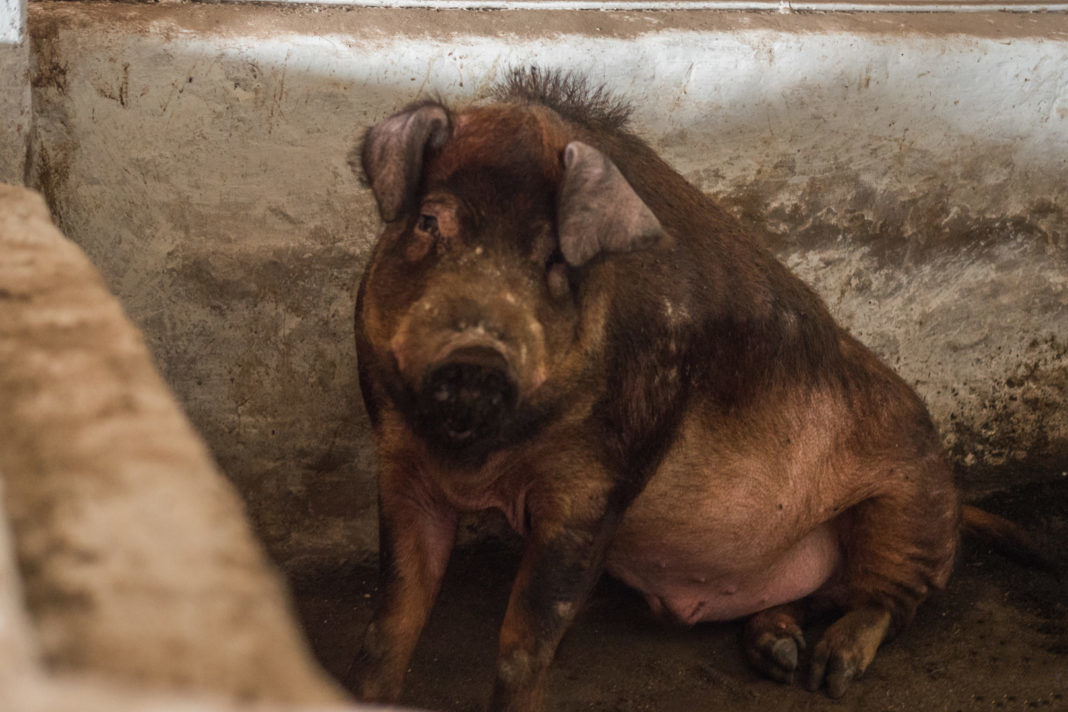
(690, 585)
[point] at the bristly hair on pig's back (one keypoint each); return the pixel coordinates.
(569, 94)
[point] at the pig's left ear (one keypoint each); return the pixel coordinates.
(392, 154)
(597, 209)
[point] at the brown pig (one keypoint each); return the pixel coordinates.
(556, 324)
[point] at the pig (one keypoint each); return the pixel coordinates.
(556, 324)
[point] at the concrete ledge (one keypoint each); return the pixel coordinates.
(135, 557)
(911, 167)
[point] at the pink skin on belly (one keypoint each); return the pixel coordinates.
(691, 590)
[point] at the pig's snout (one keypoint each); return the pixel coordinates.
(467, 395)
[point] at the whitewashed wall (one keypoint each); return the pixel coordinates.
(911, 167)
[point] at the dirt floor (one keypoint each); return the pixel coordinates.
(996, 639)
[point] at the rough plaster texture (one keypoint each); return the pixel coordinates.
(136, 558)
(14, 90)
(25, 686)
(910, 167)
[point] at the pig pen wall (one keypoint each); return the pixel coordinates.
(14, 91)
(910, 167)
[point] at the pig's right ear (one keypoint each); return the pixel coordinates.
(598, 210)
(392, 155)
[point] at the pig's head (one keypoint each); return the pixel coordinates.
(472, 310)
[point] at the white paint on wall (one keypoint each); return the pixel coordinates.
(12, 21)
(798, 90)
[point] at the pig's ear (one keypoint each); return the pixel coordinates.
(597, 210)
(392, 155)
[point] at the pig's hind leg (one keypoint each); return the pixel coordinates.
(898, 547)
(847, 648)
(774, 645)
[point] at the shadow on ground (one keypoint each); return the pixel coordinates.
(996, 639)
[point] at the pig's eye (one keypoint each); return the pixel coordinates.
(428, 223)
(424, 239)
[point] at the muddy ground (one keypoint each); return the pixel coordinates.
(996, 639)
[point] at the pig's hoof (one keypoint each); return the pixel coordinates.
(774, 651)
(837, 668)
(846, 650)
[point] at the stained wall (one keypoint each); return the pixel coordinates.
(14, 90)
(910, 167)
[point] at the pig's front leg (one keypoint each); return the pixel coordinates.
(563, 558)
(416, 534)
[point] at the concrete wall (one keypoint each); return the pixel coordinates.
(911, 167)
(137, 564)
(14, 90)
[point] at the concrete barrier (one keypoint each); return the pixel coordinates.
(136, 561)
(909, 166)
